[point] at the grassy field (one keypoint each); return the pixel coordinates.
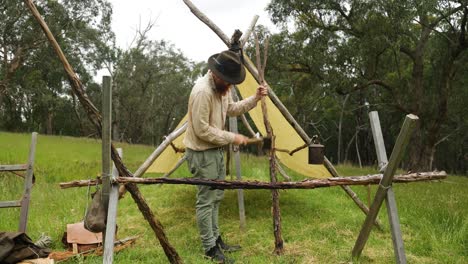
(318, 226)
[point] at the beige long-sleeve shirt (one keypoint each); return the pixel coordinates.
(207, 110)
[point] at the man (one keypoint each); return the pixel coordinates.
(210, 101)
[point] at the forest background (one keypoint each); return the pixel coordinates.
(330, 63)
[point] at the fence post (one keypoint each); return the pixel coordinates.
(28, 182)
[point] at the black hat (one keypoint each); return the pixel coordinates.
(227, 66)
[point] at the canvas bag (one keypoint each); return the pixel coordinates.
(96, 215)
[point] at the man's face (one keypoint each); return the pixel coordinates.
(221, 86)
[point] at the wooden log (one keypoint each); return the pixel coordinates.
(306, 184)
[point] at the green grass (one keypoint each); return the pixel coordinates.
(318, 226)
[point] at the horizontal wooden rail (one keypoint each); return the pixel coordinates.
(6, 204)
(18, 167)
(306, 184)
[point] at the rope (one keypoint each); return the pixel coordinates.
(385, 188)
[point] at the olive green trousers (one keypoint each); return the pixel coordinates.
(207, 164)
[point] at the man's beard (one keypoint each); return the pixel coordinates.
(222, 89)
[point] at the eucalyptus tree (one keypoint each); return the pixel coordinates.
(34, 92)
(403, 56)
(152, 80)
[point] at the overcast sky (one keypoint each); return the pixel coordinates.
(175, 22)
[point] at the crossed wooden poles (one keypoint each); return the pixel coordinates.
(110, 188)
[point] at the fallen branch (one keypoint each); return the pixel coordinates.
(306, 184)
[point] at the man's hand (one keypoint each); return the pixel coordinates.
(262, 91)
(240, 139)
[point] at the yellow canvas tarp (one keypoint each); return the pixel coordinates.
(286, 138)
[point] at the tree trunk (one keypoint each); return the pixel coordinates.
(50, 118)
(340, 123)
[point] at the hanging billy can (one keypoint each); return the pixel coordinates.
(316, 151)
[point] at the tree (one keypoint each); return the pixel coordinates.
(152, 81)
(33, 86)
(403, 56)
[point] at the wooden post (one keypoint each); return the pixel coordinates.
(28, 182)
(111, 216)
(236, 155)
(378, 139)
(106, 138)
(395, 158)
(392, 212)
(279, 244)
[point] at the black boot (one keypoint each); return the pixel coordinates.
(225, 247)
(215, 254)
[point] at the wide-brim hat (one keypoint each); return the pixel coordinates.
(227, 66)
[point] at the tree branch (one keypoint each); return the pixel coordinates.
(306, 184)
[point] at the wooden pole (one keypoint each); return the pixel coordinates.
(28, 183)
(281, 170)
(279, 244)
(208, 22)
(395, 158)
(242, 117)
(249, 30)
(178, 164)
(392, 212)
(111, 216)
(235, 151)
(306, 184)
(167, 141)
(156, 153)
(106, 138)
